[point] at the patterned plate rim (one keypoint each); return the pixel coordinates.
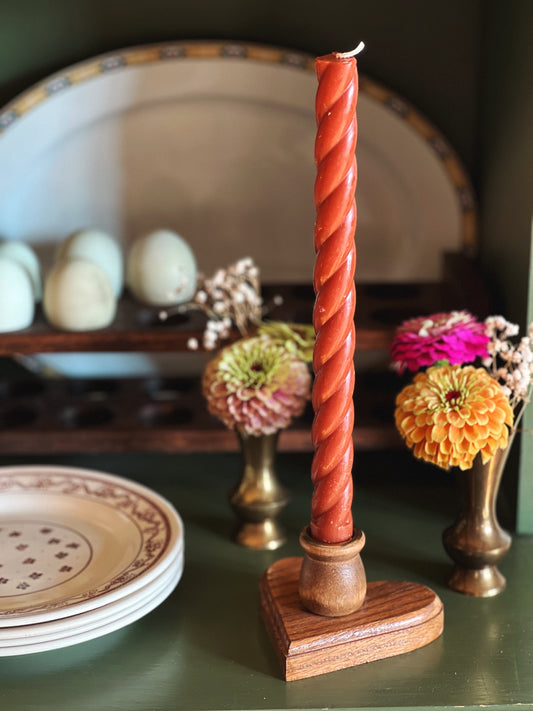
(227, 50)
(157, 520)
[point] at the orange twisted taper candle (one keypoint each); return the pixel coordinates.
(331, 517)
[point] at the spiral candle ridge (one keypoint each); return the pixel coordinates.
(331, 518)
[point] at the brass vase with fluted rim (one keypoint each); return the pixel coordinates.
(476, 542)
(259, 497)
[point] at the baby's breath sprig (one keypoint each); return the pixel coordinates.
(230, 298)
(511, 364)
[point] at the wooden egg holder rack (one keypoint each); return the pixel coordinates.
(53, 416)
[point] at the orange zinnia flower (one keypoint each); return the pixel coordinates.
(450, 413)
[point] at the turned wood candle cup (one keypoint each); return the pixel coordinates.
(332, 579)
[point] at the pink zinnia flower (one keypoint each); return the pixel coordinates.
(456, 337)
(256, 386)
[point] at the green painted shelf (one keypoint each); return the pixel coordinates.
(206, 648)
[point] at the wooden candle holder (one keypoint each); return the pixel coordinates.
(332, 578)
(395, 617)
(353, 623)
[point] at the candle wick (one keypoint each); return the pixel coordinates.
(346, 55)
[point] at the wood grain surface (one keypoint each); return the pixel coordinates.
(396, 617)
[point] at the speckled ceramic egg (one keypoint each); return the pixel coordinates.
(78, 296)
(161, 269)
(17, 302)
(98, 247)
(24, 254)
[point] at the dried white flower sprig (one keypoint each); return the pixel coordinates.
(511, 364)
(230, 298)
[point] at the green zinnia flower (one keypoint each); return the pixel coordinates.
(297, 338)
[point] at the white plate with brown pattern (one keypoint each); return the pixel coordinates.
(73, 540)
(76, 636)
(100, 616)
(55, 634)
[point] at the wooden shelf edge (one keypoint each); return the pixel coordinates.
(95, 440)
(380, 308)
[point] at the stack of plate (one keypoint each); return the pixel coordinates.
(82, 554)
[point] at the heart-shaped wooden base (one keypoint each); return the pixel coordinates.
(396, 617)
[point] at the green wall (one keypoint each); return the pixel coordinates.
(506, 156)
(426, 50)
(506, 188)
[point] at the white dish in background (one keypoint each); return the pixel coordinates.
(116, 365)
(74, 540)
(215, 141)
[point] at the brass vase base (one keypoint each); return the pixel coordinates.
(259, 498)
(485, 582)
(266, 535)
(395, 617)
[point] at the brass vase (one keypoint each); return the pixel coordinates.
(476, 542)
(259, 497)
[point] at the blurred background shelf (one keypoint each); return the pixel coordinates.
(168, 414)
(159, 415)
(380, 308)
